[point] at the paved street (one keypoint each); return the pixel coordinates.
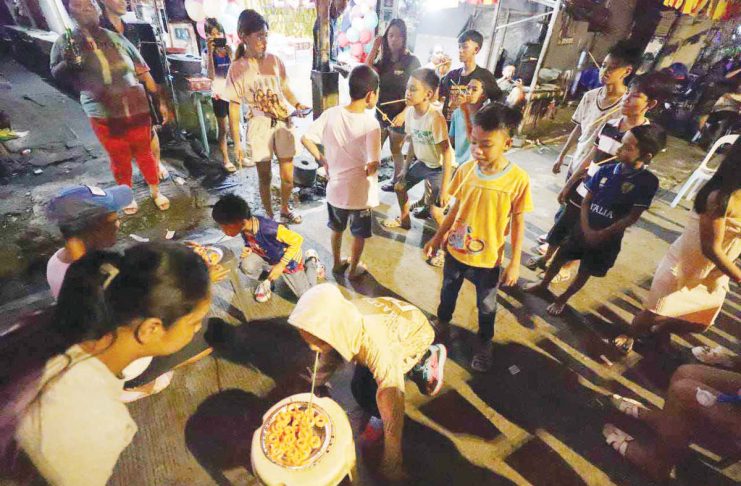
(536, 418)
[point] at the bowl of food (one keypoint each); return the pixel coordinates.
(212, 255)
(294, 435)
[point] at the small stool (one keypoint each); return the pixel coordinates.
(337, 462)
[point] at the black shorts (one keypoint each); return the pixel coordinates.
(221, 108)
(566, 223)
(595, 261)
(361, 221)
(419, 172)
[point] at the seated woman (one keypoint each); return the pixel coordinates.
(700, 399)
(387, 339)
(691, 282)
(61, 400)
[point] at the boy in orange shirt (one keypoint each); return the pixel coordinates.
(492, 196)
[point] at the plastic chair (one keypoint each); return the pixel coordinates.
(702, 173)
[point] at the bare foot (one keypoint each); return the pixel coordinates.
(535, 287)
(556, 308)
(359, 270)
(342, 266)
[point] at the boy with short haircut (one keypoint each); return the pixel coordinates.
(461, 124)
(430, 156)
(492, 196)
(352, 143)
(646, 92)
(453, 85)
(617, 195)
(271, 250)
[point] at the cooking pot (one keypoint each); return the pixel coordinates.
(185, 64)
(304, 172)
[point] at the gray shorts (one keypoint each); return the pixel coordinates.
(299, 282)
(419, 172)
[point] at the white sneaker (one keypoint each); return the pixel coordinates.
(263, 292)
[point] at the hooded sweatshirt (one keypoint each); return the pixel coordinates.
(386, 335)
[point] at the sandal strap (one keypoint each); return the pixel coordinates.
(618, 440)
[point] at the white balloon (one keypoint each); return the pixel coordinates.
(358, 23)
(364, 8)
(229, 23)
(234, 9)
(214, 8)
(194, 8)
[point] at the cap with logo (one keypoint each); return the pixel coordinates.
(79, 203)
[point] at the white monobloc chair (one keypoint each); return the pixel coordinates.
(703, 173)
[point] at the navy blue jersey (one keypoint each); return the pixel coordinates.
(615, 190)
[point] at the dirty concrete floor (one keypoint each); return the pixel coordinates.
(540, 425)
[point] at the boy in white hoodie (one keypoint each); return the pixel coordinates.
(387, 339)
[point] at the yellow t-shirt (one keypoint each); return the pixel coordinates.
(487, 203)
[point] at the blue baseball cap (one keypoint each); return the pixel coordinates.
(79, 203)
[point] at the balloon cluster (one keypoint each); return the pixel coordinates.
(225, 11)
(357, 30)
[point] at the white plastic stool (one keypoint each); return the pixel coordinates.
(703, 173)
(330, 469)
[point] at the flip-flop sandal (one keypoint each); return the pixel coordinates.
(290, 218)
(162, 203)
(624, 344)
(438, 260)
(132, 208)
(393, 224)
(711, 356)
(163, 172)
(160, 383)
(628, 406)
(553, 312)
(561, 277)
(360, 270)
(230, 168)
(536, 263)
(616, 438)
(343, 266)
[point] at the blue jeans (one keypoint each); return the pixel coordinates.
(486, 281)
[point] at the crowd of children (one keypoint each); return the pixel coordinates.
(142, 311)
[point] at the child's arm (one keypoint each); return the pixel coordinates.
(294, 241)
(313, 136)
(577, 176)
(437, 240)
(440, 132)
(313, 150)
(597, 237)
(512, 272)
(570, 142)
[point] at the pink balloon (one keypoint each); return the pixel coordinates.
(201, 28)
(365, 36)
(357, 49)
(342, 39)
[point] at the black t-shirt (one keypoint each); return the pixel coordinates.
(393, 78)
(455, 80)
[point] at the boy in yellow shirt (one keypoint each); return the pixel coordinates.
(492, 196)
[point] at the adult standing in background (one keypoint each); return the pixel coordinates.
(112, 19)
(113, 81)
(394, 66)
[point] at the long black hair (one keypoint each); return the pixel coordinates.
(101, 292)
(726, 180)
(250, 21)
(386, 50)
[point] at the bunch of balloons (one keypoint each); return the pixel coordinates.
(357, 30)
(225, 11)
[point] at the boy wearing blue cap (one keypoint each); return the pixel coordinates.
(88, 219)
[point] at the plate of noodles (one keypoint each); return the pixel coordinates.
(210, 254)
(295, 437)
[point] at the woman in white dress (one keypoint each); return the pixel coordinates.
(691, 281)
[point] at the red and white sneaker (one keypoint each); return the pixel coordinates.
(263, 292)
(321, 270)
(431, 371)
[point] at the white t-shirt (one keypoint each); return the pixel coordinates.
(351, 141)
(426, 132)
(78, 427)
(259, 84)
(56, 269)
(586, 114)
